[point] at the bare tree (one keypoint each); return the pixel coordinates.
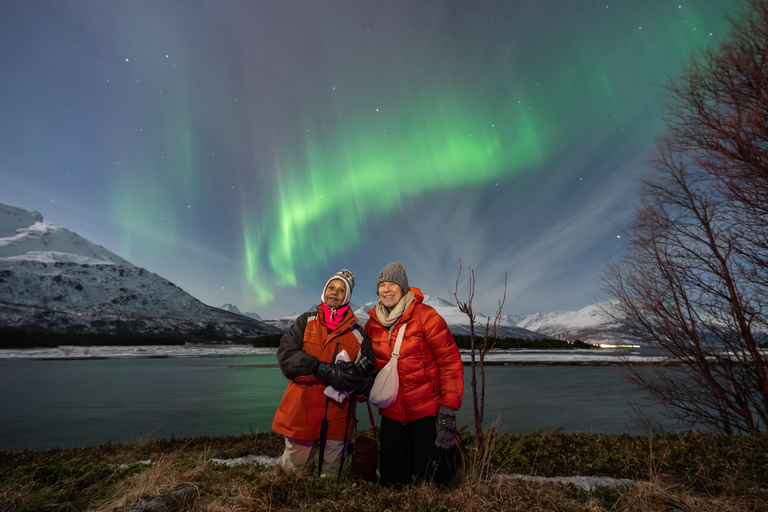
(693, 279)
(478, 352)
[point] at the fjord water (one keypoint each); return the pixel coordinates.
(64, 403)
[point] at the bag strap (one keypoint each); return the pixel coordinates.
(400, 334)
(370, 415)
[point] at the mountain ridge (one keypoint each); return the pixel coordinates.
(55, 280)
(591, 324)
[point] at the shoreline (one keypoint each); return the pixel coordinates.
(510, 357)
(524, 363)
(579, 363)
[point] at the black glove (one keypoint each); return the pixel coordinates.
(446, 427)
(334, 375)
(359, 380)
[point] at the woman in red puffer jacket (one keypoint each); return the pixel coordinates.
(420, 426)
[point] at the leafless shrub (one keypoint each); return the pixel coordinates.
(478, 352)
(693, 279)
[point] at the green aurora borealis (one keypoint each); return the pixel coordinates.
(247, 150)
(336, 185)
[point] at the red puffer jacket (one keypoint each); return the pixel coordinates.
(430, 368)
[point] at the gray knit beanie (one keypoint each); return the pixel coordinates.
(346, 276)
(394, 273)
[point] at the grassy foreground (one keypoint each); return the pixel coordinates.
(688, 472)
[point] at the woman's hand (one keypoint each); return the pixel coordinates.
(333, 375)
(446, 427)
(359, 380)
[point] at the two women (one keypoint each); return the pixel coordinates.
(419, 428)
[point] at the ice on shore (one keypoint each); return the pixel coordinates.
(190, 350)
(144, 351)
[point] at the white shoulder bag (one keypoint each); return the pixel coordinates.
(387, 384)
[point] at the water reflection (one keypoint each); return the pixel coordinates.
(64, 403)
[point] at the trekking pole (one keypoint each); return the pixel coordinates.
(323, 436)
(324, 426)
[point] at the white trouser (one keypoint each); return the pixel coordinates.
(301, 454)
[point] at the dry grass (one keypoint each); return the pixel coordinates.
(684, 473)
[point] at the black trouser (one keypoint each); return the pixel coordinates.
(408, 452)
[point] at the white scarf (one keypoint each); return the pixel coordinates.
(389, 317)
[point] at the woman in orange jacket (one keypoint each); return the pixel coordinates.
(420, 426)
(317, 421)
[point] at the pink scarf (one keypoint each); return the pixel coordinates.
(333, 317)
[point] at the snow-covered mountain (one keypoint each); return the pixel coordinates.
(53, 279)
(590, 324)
(456, 320)
(233, 309)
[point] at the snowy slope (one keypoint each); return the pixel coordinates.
(457, 321)
(53, 279)
(233, 309)
(591, 324)
(283, 323)
(25, 237)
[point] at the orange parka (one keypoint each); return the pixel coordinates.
(303, 405)
(430, 368)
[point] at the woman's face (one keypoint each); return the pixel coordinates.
(335, 293)
(390, 293)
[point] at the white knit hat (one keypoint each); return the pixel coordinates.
(346, 276)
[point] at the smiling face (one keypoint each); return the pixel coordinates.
(390, 293)
(335, 293)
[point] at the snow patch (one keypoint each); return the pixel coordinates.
(249, 459)
(586, 483)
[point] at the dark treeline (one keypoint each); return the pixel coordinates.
(269, 341)
(15, 338)
(19, 339)
(463, 341)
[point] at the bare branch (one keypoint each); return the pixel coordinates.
(478, 363)
(693, 279)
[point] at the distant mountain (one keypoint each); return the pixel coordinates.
(283, 323)
(233, 309)
(457, 321)
(53, 279)
(590, 324)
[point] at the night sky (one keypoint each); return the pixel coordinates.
(247, 150)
